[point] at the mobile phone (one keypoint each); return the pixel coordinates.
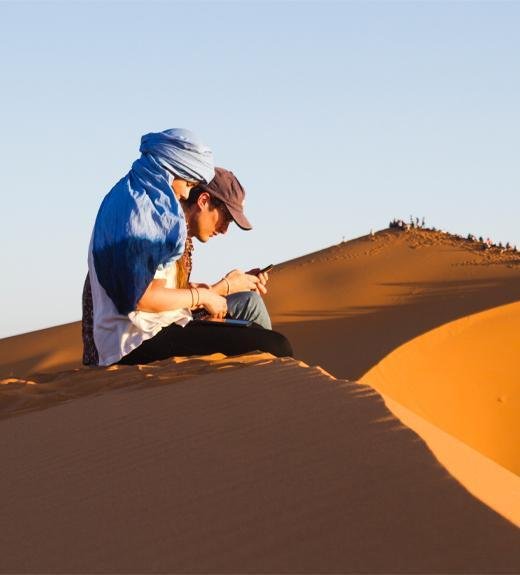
(266, 269)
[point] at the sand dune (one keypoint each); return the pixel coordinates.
(273, 467)
(437, 376)
(258, 464)
(372, 295)
(51, 349)
(491, 483)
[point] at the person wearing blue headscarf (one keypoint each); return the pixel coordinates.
(134, 290)
(140, 224)
(139, 230)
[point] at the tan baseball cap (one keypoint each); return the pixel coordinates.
(229, 190)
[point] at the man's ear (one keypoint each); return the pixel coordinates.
(204, 201)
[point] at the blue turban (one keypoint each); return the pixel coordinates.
(140, 224)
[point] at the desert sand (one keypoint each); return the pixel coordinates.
(389, 444)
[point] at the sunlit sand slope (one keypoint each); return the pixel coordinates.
(347, 307)
(241, 465)
(43, 350)
(463, 377)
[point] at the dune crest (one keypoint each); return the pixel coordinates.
(463, 377)
(44, 390)
(491, 483)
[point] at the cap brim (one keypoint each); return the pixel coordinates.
(240, 219)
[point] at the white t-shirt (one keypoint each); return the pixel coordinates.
(116, 335)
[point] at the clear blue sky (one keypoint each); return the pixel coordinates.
(336, 117)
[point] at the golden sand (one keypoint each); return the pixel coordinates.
(257, 464)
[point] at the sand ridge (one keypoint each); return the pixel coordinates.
(44, 390)
(437, 375)
(491, 483)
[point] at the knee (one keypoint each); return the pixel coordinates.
(252, 300)
(249, 305)
(280, 345)
(258, 310)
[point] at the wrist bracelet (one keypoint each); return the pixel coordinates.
(191, 292)
(198, 296)
(227, 285)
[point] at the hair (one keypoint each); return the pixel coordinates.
(194, 196)
(183, 266)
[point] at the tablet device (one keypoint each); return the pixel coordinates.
(226, 322)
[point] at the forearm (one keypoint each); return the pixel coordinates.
(222, 287)
(159, 298)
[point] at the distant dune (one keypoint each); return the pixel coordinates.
(50, 349)
(371, 295)
(401, 457)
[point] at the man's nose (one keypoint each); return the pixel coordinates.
(224, 227)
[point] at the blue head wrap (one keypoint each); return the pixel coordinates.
(140, 224)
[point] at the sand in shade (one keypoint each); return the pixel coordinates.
(267, 466)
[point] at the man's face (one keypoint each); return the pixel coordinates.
(208, 221)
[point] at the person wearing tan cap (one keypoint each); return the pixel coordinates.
(209, 210)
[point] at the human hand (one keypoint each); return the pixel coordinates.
(214, 304)
(263, 278)
(239, 281)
